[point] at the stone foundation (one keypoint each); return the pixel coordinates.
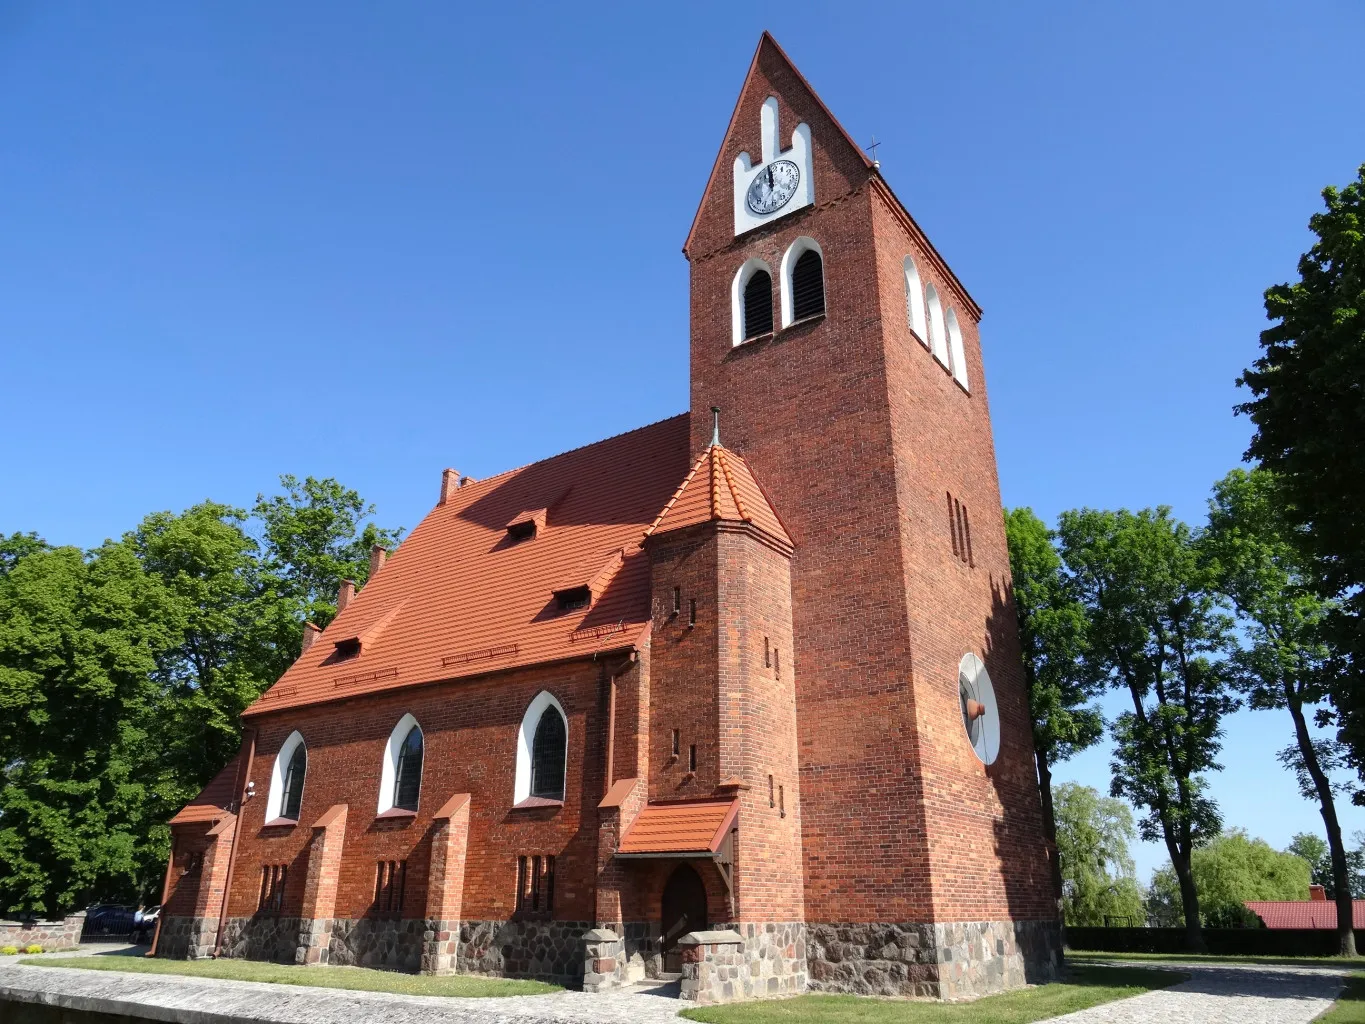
(748, 961)
(944, 961)
(365, 942)
(187, 938)
(63, 934)
(544, 950)
(262, 938)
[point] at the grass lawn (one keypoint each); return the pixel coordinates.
(1340, 963)
(362, 978)
(1350, 1008)
(1085, 985)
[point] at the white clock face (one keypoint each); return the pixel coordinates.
(773, 187)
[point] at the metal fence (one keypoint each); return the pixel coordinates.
(114, 924)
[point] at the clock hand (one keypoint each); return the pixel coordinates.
(770, 176)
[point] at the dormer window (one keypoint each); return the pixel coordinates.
(348, 648)
(573, 599)
(526, 526)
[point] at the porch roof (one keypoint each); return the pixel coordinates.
(691, 828)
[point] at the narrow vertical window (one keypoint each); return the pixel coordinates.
(781, 801)
(767, 654)
(677, 742)
(535, 884)
(967, 528)
(952, 524)
(771, 802)
(692, 758)
(293, 783)
(777, 663)
(692, 612)
(677, 600)
(407, 783)
(547, 755)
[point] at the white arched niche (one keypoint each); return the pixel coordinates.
(956, 351)
(526, 736)
(746, 273)
(274, 807)
(938, 344)
(914, 302)
(794, 252)
(388, 774)
(980, 714)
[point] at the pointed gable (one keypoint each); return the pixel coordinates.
(840, 165)
(720, 488)
(214, 801)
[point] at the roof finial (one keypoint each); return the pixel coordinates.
(715, 425)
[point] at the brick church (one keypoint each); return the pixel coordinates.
(734, 697)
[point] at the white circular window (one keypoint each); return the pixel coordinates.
(980, 717)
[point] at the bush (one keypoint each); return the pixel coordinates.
(35, 948)
(9, 950)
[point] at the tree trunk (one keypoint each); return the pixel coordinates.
(1050, 829)
(1341, 877)
(1189, 898)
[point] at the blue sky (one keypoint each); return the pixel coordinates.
(370, 241)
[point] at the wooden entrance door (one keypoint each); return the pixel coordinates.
(684, 910)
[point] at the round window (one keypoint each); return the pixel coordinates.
(980, 717)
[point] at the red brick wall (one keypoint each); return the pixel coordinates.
(470, 734)
(683, 666)
(856, 434)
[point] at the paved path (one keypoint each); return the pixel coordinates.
(1215, 994)
(1224, 994)
(211, 1001)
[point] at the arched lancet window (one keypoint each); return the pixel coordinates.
(286, 780)
(547, 756)
(803, 281)
(751, 301)
(914, 302)
(938, 343)
(542, 750)
(400, 782)
(956, 352)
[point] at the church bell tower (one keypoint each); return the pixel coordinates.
(845, 357)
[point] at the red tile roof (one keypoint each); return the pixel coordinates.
(1303, 913)
(719, 487)
(459, 597)
(696, 826)
(213, 802)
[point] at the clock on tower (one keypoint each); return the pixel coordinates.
(781, 183)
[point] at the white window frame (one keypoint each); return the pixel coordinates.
(914, 302)
(938, 343)
(275, 805)
(526, 736)
(745, 274)
(389, 772)
(956, 351)
(794, 252)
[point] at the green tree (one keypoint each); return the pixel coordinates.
(1309, 416)
(315, 535)
(1093, 833)
(1282, 663)
(83, 793)
(1315, 850)
(1052, 640)
(1157, 630)
(1229, 870)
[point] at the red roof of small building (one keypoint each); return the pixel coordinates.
(213, 802)
(693, 826)
(719, 487)
(1303, 913)
(461, 597)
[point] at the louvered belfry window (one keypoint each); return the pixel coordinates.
(758, 306)
(808, 286)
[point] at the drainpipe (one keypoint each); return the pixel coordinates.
(243, 773)
(612, 676)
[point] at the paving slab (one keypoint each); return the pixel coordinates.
(1224, 994)
(162, 997)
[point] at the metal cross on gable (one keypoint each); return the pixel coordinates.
(872, 148)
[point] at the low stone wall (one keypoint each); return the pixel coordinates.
(63, 934)
(262, 937)
(394, 944)
(946, 961)
(545, 950)
(748, 961)
(187, 938)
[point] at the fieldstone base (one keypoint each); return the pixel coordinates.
(377, 942)
(262, 937)
(945, 961)
(63, 934)
(187, 938)
(544, 950)
(440, 946)
(748, 961)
